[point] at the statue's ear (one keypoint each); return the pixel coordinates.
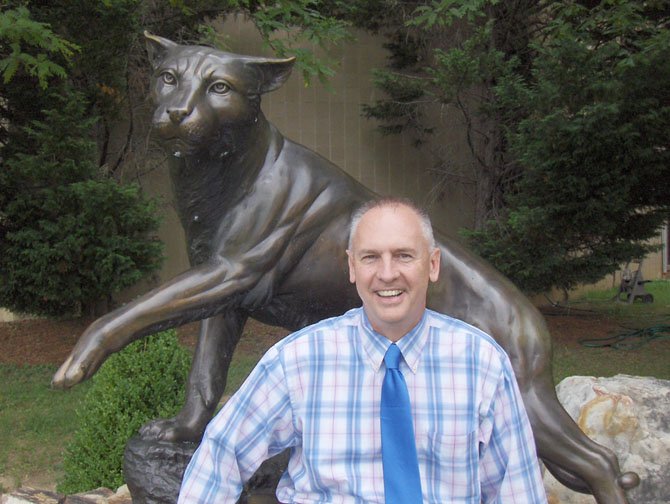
(157, 47)
(273, 72)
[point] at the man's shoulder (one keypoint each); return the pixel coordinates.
(328, 329)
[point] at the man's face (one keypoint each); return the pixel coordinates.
(391, 263)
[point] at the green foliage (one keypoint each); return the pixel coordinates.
(445, 13)
(70, 236)
(142, 382)
(593, 144)
(413, 87)
(20, 37)
(403, 108)
(291, 27)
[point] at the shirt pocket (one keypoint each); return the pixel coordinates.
(452, 467)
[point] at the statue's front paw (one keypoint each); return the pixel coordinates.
(70, 373)
(170, 429)
(86, 357)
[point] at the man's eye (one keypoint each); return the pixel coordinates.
(367, 258)
(219, 87)
(168, 78)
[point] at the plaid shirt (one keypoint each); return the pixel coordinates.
(318, 392)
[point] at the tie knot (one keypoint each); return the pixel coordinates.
(392, 357)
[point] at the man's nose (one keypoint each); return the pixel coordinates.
(387, 270)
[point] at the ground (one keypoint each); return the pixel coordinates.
(41, 341)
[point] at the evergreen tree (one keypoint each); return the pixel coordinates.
(591, 136)
(69, 237)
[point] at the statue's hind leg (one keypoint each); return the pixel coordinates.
(206, 381)
(571, 456)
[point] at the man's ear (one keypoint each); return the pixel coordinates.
(272, 72)
(157, 48)
(435, 256)
(350, 260)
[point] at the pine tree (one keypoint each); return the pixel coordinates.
(69, 237)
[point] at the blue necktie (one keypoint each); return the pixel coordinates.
(402, 484)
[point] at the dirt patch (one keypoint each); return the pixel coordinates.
(40, 341)
(568, 326)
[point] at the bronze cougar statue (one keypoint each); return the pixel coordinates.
(266, 222)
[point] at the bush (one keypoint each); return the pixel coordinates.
(144, 381)
(70, 237)
(77, 245)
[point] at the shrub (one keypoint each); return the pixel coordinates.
(70, 236)
(142, 382)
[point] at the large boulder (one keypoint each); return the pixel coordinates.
(631, 416)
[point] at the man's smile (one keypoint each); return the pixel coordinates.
(389, 293)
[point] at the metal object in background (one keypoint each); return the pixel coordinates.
(632, 285)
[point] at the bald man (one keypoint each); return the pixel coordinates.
(318, 392)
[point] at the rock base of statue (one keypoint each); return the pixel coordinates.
(153, 471)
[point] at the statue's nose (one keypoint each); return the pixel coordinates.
(177, 115)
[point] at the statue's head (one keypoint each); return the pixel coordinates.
(204, 96)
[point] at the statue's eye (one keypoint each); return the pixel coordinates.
(219, 87)
(168, 78)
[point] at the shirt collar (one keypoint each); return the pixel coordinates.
(411, 344)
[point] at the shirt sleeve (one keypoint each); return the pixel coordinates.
(255, 424)
(509, 468)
